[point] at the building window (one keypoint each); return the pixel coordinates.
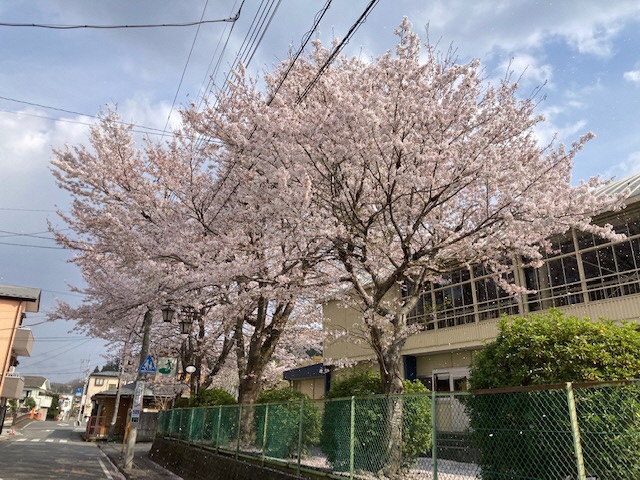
(99, 382)
(447, 380)
(112, 386)
(581, 268)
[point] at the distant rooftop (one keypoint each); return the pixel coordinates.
(632, 183)
(35, 381)
(104, 374)
(27, 294)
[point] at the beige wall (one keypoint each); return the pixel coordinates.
(426, 364)
(10, 313)
(350, 342)
(92, 389)
(451, 347)
(311, 387)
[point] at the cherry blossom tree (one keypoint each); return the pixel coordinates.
(413, 165)
(168, 223)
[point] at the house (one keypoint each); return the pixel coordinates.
(104, 403)
(96, 383)
(65, 405)
(15, 341)
(312, 380)
(38, 388)
(585, 276)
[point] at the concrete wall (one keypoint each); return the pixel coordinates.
(193, 463)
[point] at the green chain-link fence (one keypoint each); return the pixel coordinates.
(571, 432)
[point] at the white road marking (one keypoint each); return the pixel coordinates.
(49, 440)
(21, 440)
(35, 439)
(104, 469)
(63, 441)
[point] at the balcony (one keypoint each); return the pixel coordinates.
(23, 343)
(12, 387)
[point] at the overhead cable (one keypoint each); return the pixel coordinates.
(112, 27)
(336, 51)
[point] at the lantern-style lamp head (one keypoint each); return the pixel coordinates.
(167, 313)
(185, 326)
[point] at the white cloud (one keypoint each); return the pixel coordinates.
(527, 69)
(632, 76)
(553, 129)
(487, 26)
(629, 166)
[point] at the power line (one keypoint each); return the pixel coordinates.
(57, 355)
(303, 44)
(184, 70)
(209, 77)
(37, 235)
(111, 27)
(145, 130)
(26, 210)
(338, 48)
(32, 246)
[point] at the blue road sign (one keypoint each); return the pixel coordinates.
(148, 366)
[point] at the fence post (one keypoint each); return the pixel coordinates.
(434, 435)
(239, 430)
(265, 429)
(190, 428)
(300, 426)
(218, 429)
(205, 411)
(575, 432)
(352, 440)
(183, 434)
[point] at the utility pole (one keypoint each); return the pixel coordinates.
(85, 391)
(138, 397)
(114, 417)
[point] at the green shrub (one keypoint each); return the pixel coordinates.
(371, 426)
(281, 408)
(534, 426)
(212, 397)
(29, 403)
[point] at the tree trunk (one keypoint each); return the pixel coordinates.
(389, 355)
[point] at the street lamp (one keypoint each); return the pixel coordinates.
(167, 313)
(187, 316)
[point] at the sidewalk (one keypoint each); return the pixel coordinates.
(143, 467)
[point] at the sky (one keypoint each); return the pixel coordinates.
(585, 54)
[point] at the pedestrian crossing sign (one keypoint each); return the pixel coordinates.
(148, 366)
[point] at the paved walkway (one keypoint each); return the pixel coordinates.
(143, 467)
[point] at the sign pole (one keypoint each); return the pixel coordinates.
(146, 365)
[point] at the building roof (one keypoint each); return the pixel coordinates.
(27, 294)
(104, 374)
(35, 381)
(632, 183)
(310, 371)
(128, 390)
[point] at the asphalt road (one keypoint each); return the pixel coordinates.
(52, 450)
